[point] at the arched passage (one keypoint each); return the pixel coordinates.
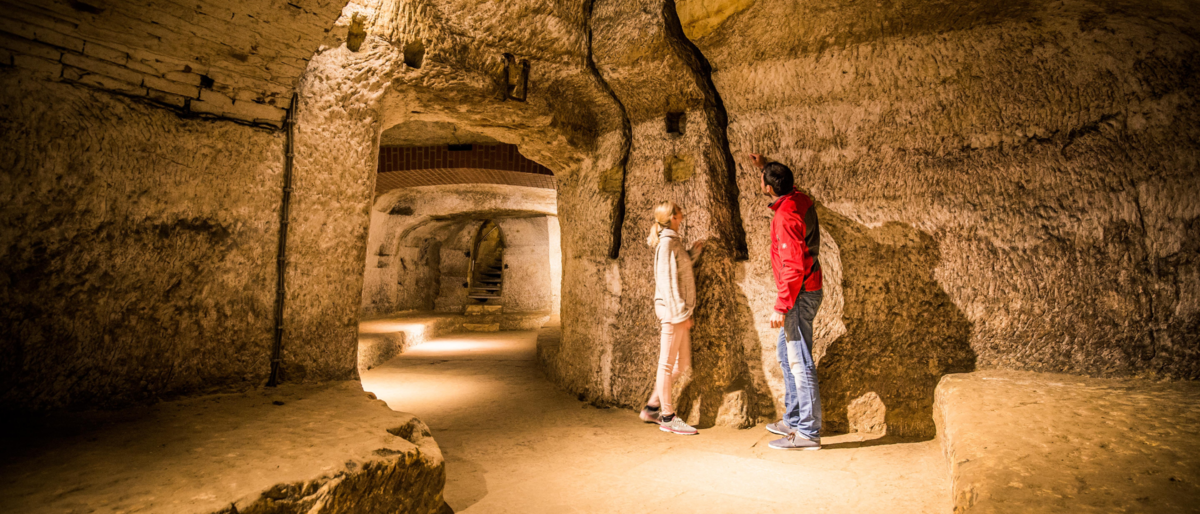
(421, 241)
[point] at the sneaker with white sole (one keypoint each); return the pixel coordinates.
(650, 416)
(677, 426)
(780, 428)
(795, 441)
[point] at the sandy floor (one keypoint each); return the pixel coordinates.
(515, 443)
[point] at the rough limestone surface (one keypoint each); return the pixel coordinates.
(1002, 186)
(318, 449)
(1011, 185)
(526, 270)
(138, 250)
(455, 264)
(1046, 442)
(656, 75)
(867, 414)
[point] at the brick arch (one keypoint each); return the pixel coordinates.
(487, 163)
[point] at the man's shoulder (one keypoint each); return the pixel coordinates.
(796, 202)
(801, 199)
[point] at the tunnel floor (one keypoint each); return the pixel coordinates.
(513, 442)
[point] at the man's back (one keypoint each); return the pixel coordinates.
(795, 244)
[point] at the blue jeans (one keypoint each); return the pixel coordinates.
(801, 397)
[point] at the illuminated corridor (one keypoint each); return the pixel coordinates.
(228, 228)
(513, 442)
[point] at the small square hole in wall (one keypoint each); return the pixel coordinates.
(675, 122)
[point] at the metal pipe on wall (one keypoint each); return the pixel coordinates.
(281, 261)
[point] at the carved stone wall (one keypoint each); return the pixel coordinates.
(1003, 185)
(1011, 185)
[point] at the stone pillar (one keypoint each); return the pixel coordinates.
(555, 253)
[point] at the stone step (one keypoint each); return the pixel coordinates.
(481, 327)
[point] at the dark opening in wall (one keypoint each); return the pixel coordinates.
(461, 148)
(206, 82)
(84, 7)
(414, 53)
(675, 121)
(357, 33)
(514, 80)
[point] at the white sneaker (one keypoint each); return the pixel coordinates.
(677, 426)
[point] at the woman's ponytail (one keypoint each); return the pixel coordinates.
(662, 220)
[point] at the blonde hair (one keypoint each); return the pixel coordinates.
(662, 219)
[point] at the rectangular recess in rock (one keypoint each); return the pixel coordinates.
(675, 122)
(678, 168)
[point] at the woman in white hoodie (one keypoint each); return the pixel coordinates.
(674, 299)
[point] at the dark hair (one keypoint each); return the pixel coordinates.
(779, 177)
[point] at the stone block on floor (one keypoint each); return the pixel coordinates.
(376, 349)
(1041, 442)
(328, 448)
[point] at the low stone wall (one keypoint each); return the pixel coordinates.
(1043, 442)
(315, 449)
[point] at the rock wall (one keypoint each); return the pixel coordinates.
(1002, 185)
(138, 249)
(140, 243)
(526, 271)
(1011, 185)
(655, 74)
(455, 265)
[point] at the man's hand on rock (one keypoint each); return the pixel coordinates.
(758, 160)
(776, 319)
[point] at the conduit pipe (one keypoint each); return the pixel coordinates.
(281, 261)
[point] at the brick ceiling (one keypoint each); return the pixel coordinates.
(412, 166)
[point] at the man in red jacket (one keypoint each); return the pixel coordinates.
(795, 243)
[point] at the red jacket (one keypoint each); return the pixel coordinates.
(795, 242)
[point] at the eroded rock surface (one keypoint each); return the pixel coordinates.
(1010, 185)
(112, 240)
(1002, 186)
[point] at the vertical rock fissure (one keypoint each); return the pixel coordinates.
(713, 101)
(1152, 264)
(618, 219)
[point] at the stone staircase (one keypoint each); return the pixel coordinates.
(487, 281)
